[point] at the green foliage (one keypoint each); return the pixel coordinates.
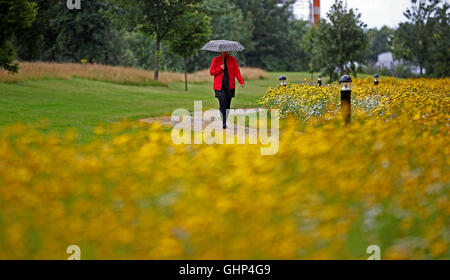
(297, 58)
(439, 66)
(15, 16)
(276, 35)
(310, 41)
(7, 54)
(36, 42)
(158, 18)
(405, 42)
(379, 42)
(135, 33)
(273, 38)
(421, 38)
(189, 34)
(139, 47)
(372, 69)
(64, 35)
(345, 39)
(86, 33)
(400, 70)
(338, 43)
(140, 53)
(403, 70)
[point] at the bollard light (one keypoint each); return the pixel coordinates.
(376, 81)
(319, 80)
(346, 83)
(283, 81)
(346, 93)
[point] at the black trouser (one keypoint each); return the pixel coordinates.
(224, 96)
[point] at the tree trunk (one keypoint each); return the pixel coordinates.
(158, 56)
(185, 75)
(421, 71)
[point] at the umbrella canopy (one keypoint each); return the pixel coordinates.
(222, 46)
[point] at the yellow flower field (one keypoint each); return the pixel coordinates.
(329, 193)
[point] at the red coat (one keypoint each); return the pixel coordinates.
(233, 72)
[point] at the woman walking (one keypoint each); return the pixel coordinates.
(225, 70)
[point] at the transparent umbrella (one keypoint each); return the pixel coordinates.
(222, 46)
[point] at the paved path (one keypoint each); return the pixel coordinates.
(199, 125)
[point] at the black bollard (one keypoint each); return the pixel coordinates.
(283, 81)
(346, 103)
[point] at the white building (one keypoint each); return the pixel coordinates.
(386, 60)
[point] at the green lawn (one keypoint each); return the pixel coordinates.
(83, 104)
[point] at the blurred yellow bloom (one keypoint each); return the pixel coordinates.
(329, 192)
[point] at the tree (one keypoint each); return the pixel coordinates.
(440, 46)
(32, 43)
(412, 39)
(64, 35)
(87, 33)
(297, 58)
(327, 48)
(340, 43)
(273, 44)
(191, 31)
(312, 50)
(15, 15)
(156, 17)
(347, 34)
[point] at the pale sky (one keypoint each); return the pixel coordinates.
(375, 13)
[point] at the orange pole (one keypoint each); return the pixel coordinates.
(316, 12)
